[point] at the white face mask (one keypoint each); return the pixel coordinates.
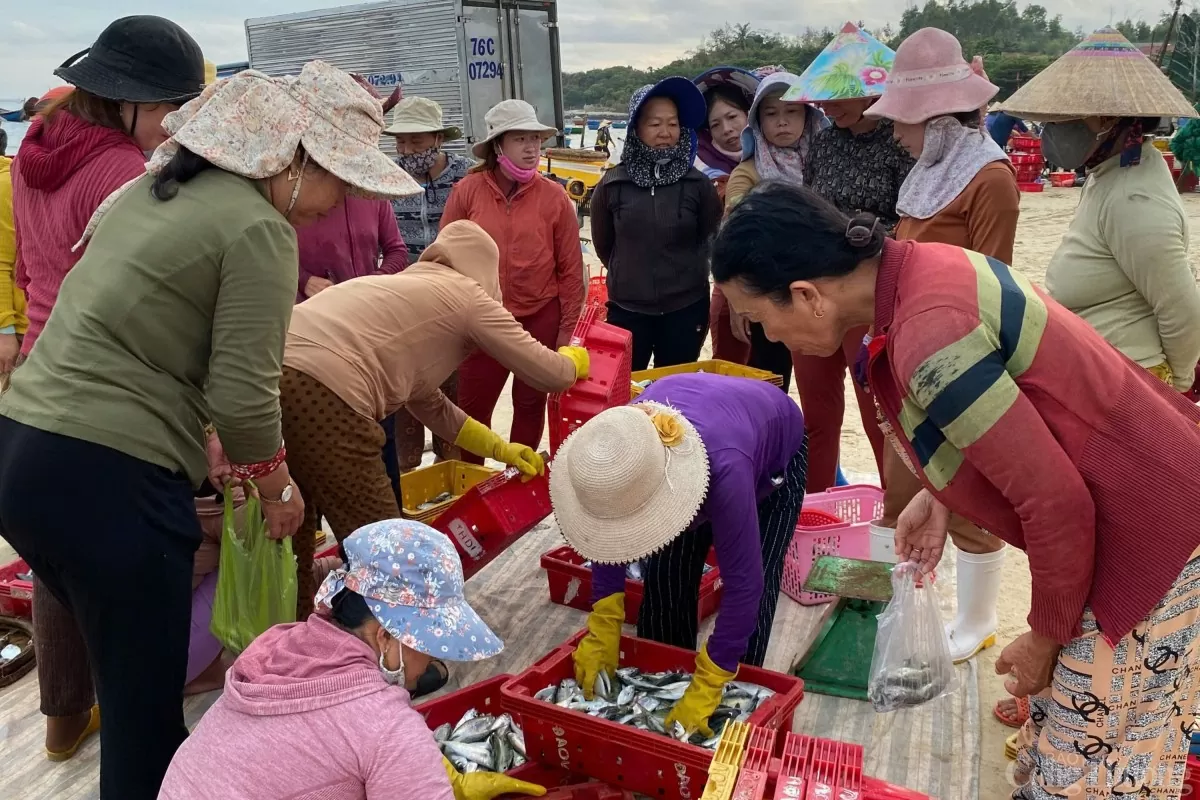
(393, 676)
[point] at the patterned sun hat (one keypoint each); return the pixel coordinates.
(412, 579)
(854, 65)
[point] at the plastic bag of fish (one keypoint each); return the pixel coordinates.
(482, 743)
(635, 571)
(643, 700)
(911, 664)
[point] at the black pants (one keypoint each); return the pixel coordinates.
(674, 338)
(774, 357)
(113, 538)
(391, 457)
(672, 575)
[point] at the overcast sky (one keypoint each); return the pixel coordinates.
(37, 35)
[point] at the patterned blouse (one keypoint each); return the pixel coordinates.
(860, 172)
(420, 215)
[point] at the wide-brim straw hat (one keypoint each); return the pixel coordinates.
(628, 482)
(420, 115)
(854, 65)
(1103, 76)
(930, 78)
(510, 115)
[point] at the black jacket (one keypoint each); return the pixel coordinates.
(655, 242)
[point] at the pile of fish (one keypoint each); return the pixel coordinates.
(436, 501)
(643, 700)
(906, 685)
(482, 742)
(634, 571)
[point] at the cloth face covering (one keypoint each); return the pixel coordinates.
(649, 167)
(418, 164)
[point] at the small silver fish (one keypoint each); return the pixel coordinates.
(546, 695)
(678, 732)
(672, 691)
(568, 691)
(626, 695)
(442, 732)
(481, 754)
(502, 752)
(603, 687)
(461, 764)
(516, 740)
(474, 730)
(634, 571)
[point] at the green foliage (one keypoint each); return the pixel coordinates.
(1186, 145)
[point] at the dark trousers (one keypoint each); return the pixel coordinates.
(391, 457)
(774, 357)
(672, 575)
(116, 550)
(674, 338)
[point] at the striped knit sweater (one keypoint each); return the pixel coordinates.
(1022, 419)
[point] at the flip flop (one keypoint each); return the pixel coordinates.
(1010, 747)
(435, 677)
(1019, 719)
(92, 726)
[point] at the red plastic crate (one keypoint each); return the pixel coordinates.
(793, 767)
(570, 584)
(621, 755)
(1191, 778)
(1025, 144)
(852, 508)
(1030, 186)
(16, 595)
(755, 774)
(492, 515)
(610, 350)
(597, 294)
(875, 789)
(586, 791)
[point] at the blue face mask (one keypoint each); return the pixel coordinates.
(1069, 144)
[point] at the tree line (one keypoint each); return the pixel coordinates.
(1016, 43)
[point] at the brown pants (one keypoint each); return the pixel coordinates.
(902, 486)
(333, 456)
(410, 434)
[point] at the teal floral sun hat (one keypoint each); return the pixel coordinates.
(854, 65)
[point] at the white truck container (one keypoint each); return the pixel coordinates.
(467, 55)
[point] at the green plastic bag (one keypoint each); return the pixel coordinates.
(256, 584)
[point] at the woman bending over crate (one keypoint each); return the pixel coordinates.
(359, 351)
(697, 461)
(1015, 413)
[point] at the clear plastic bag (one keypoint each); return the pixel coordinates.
(911, 664)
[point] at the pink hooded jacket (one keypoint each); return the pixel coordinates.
(307, 715)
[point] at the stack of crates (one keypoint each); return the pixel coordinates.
(1026, 156)
(610, 353)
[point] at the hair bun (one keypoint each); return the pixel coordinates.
(860, 232)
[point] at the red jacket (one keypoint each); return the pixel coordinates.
(537, 232)
(1022, 419)
(61, 174)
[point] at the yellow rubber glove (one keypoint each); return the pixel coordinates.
(479, 439)
(702, 697)
(580, 358)
(600, 649)
(486, 785)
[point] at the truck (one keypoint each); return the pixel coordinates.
(467, 55)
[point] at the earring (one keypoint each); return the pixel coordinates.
(818, 314)
(395, 677)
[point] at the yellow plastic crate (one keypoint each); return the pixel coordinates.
(727, 761)
(424, 484)
(713, 365)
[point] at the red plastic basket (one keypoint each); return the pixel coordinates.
(611, 356)
(492, 515)
(851, 509)
(570, 584)
(875, 789)
(755, 774)
(1062, 180)
(620, 755)
(597, 294)
(1025, 144)
(793, 767)
(16, 595)
(1031, 186)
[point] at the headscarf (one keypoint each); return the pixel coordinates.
(1128, 136)
(773, 162)
(951, 158)
(648, 167)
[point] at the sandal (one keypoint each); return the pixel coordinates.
(92, 726)
(436, 676)
(1019, 719)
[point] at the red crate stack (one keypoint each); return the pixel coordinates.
(755, 774)
(794, 767)
(610, 350)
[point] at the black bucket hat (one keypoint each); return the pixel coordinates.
(140, 59)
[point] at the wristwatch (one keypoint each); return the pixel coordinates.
(284, 497)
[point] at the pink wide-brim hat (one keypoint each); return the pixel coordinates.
(930, 79)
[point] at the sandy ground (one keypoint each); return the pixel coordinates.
(1044, 219)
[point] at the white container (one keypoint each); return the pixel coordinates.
(883, 543)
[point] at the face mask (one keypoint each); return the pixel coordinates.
(518, 174)
(394, 677)
(1068, 144)
(418, 164)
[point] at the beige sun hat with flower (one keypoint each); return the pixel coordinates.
(252, 125)
(628, 482)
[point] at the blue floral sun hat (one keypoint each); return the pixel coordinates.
(412, 579)
(854, 65)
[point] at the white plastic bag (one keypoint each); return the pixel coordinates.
(911, 664)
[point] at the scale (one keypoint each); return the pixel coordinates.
(838, 662)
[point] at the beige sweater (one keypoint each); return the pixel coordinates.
(1123, 266)
(385, 342)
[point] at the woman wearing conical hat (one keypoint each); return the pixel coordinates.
(1122, 265)
(856, 164)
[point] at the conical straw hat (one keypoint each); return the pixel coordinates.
(1102, 76)
(855, 64)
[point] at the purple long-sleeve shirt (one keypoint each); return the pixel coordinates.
(348, 243)
(751, 431)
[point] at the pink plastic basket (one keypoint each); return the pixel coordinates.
(856, 506)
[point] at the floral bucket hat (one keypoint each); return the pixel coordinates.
(412, 579)
(854, 65)
(251, 125)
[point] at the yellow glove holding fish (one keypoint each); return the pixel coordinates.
(480, 440)
(702, 696)
(486, 785)
(600, 649)
(580, 358)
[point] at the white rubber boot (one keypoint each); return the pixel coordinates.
(883, 543)
(974, 628)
